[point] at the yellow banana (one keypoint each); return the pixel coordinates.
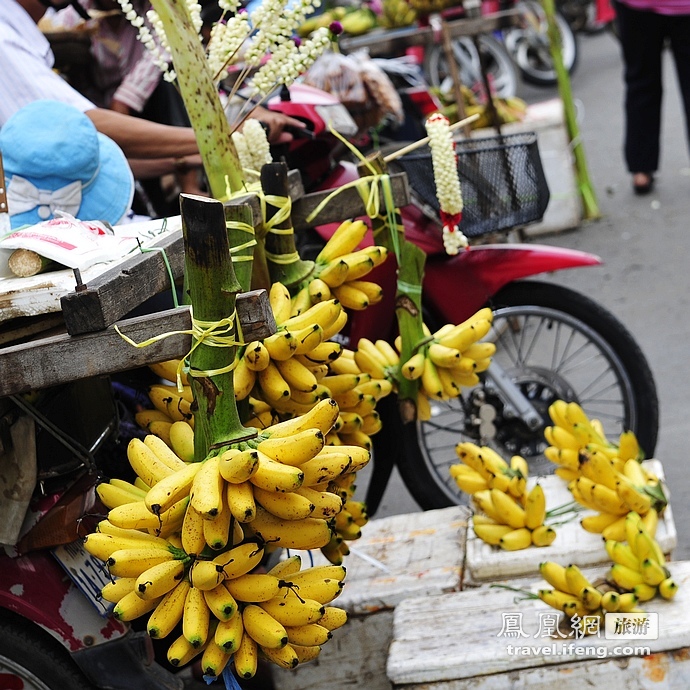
(600, 469)
(240, 498)
(132, 606)
(300, 302)
(414, 367)
(161, 430)
(491, 534)
(616, 530)
(172, 488)
(253, 587)
(652, 572)
(168, 400)
(351, 297)
(113, 496)
(463, 335)
(516, 539)
(256, 356)
(280, 345)
(271, 475)
(103, 545)
(576, 579)
(430, 381)
(308, 338)
(318, 291)
(554, 574)
(240, 559)
(322, 416)
(246, 657)
(272, 383)
(370, 364)
(343, 241)
(621, 553)
(214, 659)
(218, 530)
(325, 467)
(229, 633)
(591, 598)
(192, 532)
(309, 533)
(668, 588)
(632, 497)
(535, 507)
(181, 652)
(168, 370)
(132, 561)
(610, 601)
(237, 466)
(279, 299)
(508, 511)
(243, 380)
(196, 618)
(296, 449)
(287, 505)
(163, 452)
(308, 635)
(168, 612)
(325, 353)
(326, 504)
(146, 463)
(333, 618)
(627, 602)
(626, 578)
(137, 516)
(544, 535)
(296, 375)
(263, 628)
(558, 599)
(293, 610)
(207, 489)
(644, 592)
(159, 579)
(306, 653)
(116, 589)
(220, 602)
(628, 447)
(182, 440)
(144, 417)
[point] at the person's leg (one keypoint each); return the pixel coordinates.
(642, 38)
(678, 29)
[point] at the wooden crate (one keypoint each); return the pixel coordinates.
(454, 642)
(487, 563)
(415, 555)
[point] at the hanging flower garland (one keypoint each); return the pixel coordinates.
(445, 164)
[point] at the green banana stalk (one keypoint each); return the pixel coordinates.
(201, 99)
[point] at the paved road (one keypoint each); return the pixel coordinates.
(646, 273)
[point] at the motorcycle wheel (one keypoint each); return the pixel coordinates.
(554, 343)
(32, 660)
(499, 66)
(530, 48)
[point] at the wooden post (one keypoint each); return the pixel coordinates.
(213, 288)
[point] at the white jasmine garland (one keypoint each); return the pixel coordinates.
(448, 192)
(257, 143)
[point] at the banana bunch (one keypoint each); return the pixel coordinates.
(450, 359)
(285, 369)
(359, 21)
(322, 20)
(395, 14)
(573, 437)
(511, 516)
(575, 595)
(339, 269)
(219, 608)
(639, 566)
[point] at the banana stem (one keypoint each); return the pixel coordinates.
(201, 99)
(213, 287)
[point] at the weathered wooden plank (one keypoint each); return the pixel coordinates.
(412, 555)
(572, 544)
(461, 636)
(63, 358)
(345, 204)
(113, 294)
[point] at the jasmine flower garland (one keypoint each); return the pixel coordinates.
(448, 192)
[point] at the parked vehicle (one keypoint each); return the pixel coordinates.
(552, 341)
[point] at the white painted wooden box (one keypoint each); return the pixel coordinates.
(460, 641)
(572, 545)
(416, 555)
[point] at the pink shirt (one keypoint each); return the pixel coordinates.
(659, 6)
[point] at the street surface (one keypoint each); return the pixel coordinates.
(646, 269)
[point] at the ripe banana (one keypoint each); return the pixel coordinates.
(196, 618)
(263, 628)
(309, 533)
(159, 579)
(182, 440)
(253, 587)
(168, 612)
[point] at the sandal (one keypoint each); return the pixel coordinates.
(643, 183)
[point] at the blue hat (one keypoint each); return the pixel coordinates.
(55, 159)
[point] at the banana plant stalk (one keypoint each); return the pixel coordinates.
(408, 298)
(213, 288)
(201, 99)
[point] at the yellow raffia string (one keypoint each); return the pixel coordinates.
(282, 203)
(209, 333)
(242, 227)
(283, 259)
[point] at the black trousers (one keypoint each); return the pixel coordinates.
(643, 36)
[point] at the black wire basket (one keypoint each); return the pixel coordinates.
(502, 181)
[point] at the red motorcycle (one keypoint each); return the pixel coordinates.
(552, 342)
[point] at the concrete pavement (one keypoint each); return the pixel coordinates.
(642, 240)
